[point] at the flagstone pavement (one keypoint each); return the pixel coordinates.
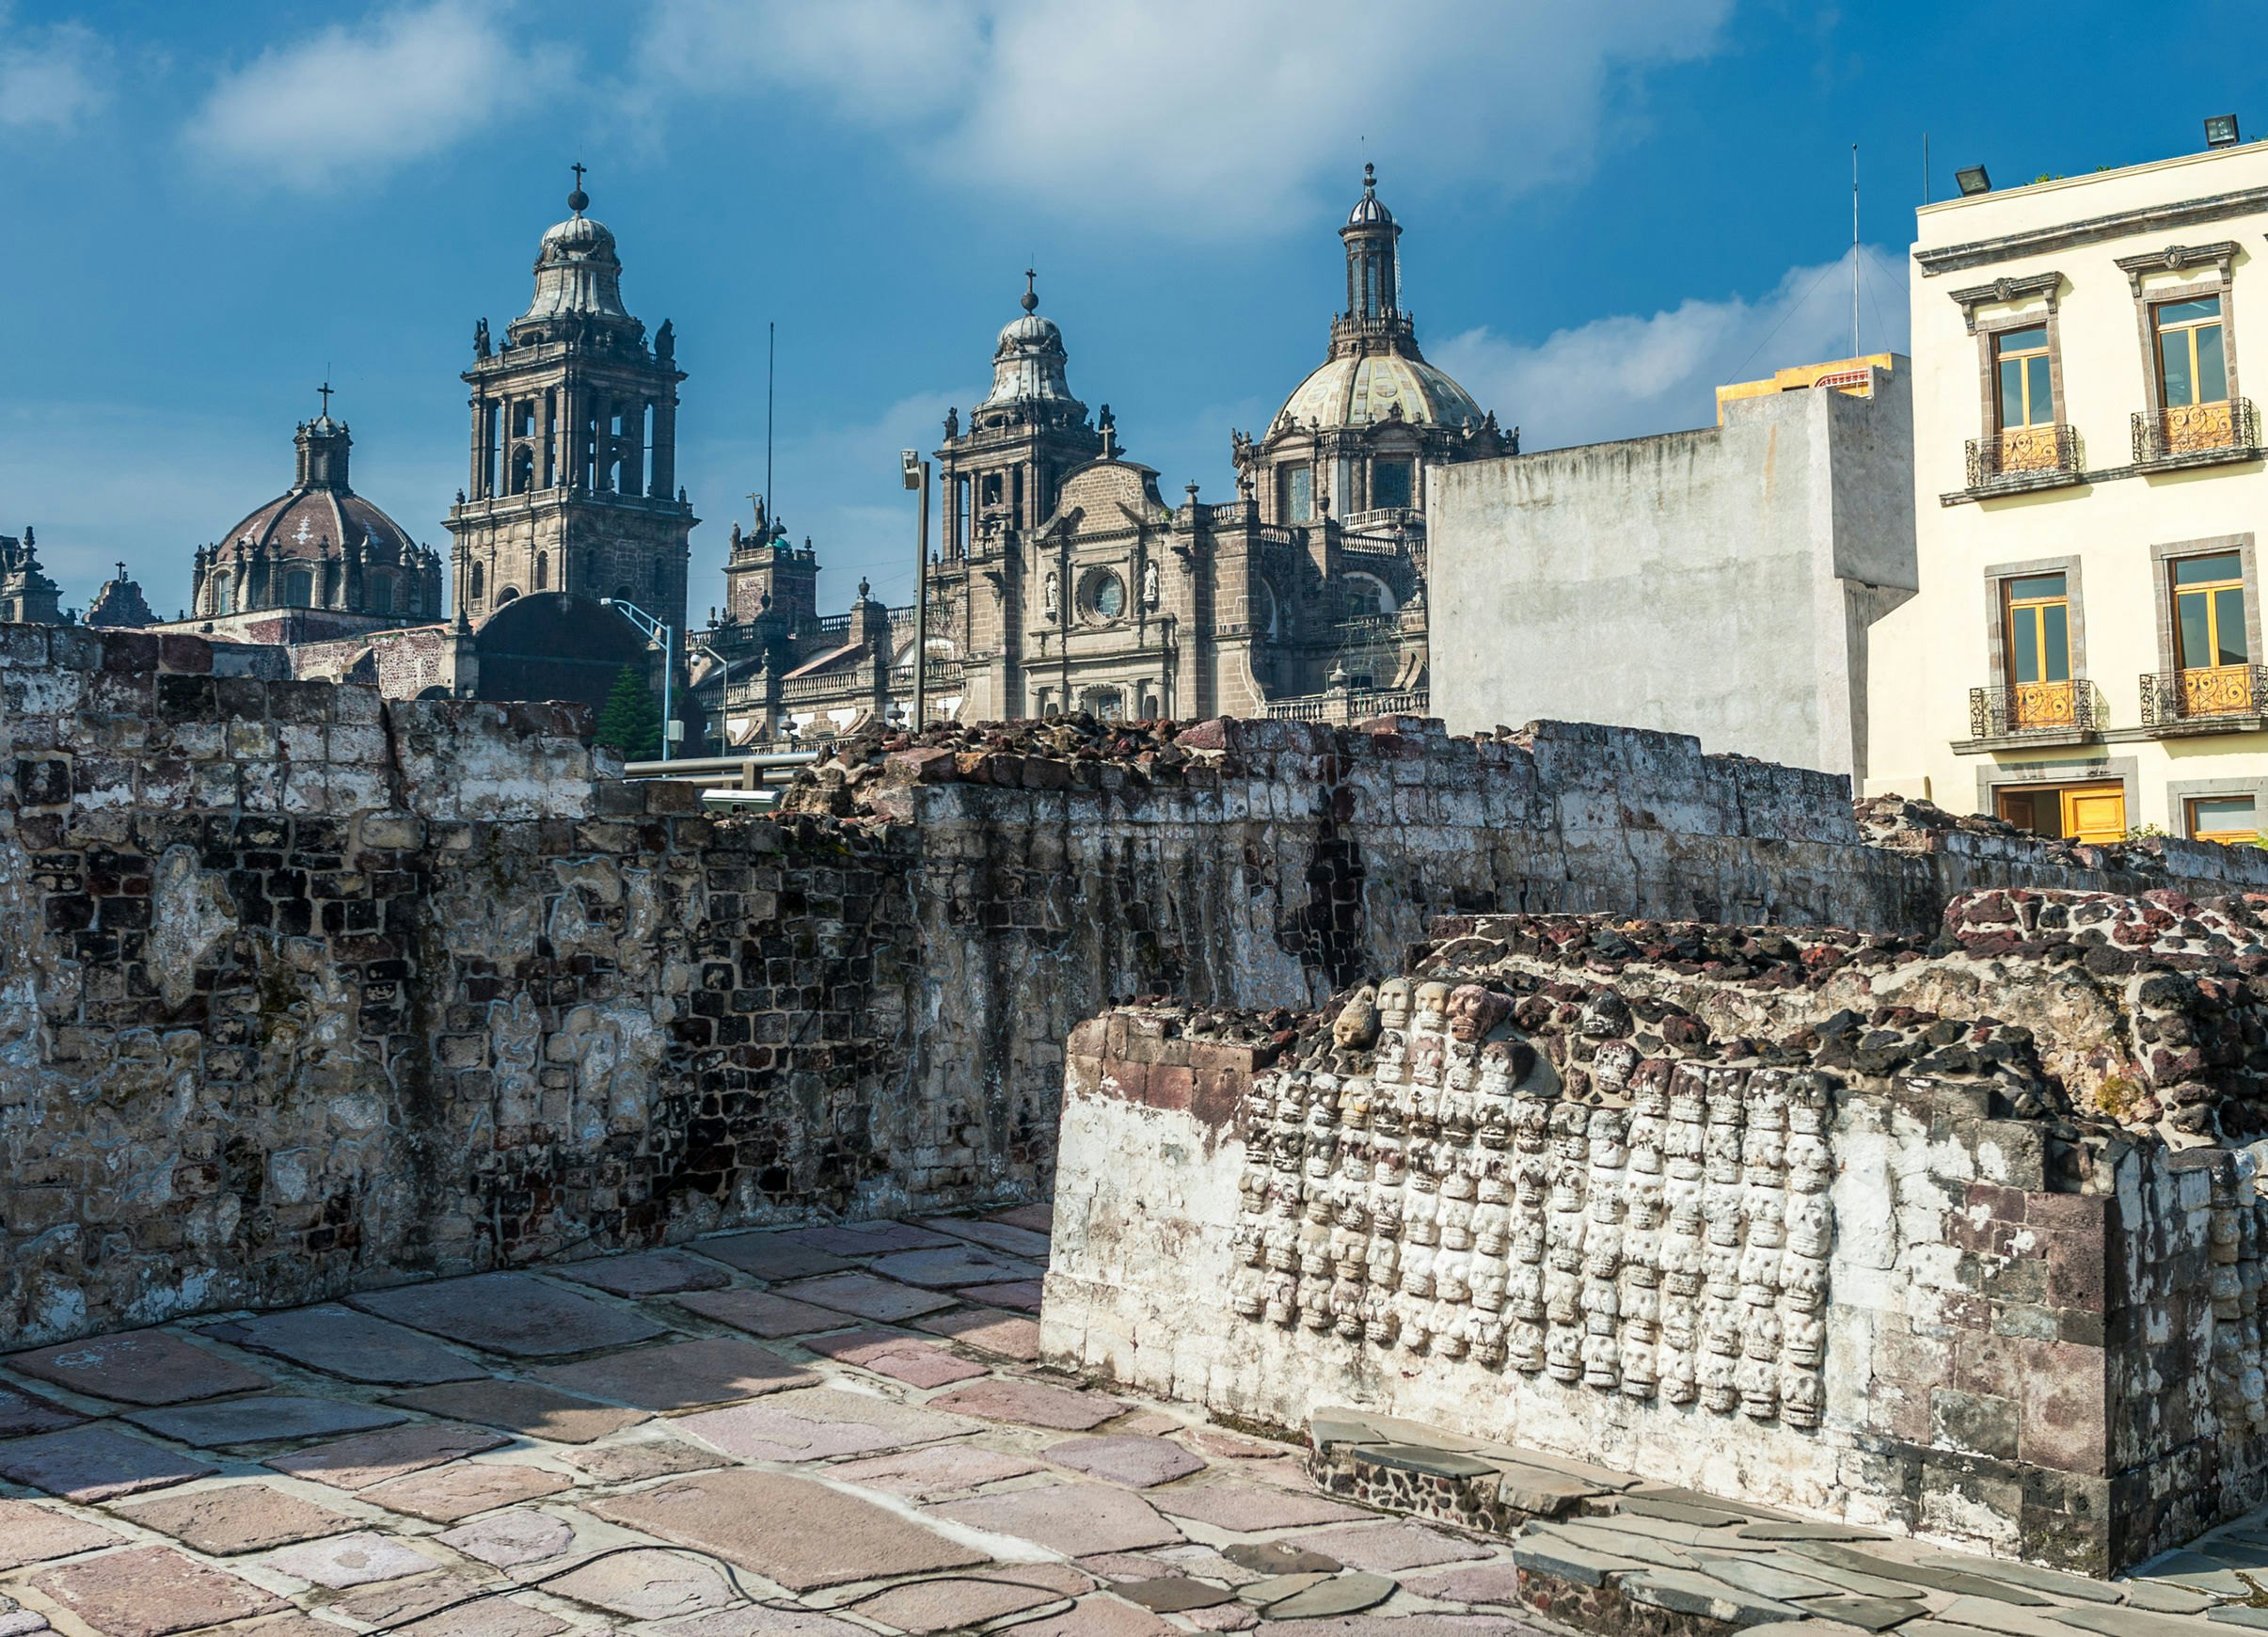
(821, 1431)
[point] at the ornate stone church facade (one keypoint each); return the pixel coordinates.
(571, 500)
(1064, 580)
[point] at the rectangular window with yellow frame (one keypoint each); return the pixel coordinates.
(2211, 635)
(2231, 819)
(2019, 367)
(2193, 366)
(2036, 624)
(2094, 813)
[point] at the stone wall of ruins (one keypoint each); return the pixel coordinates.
(1957, 1236)
(301, 990)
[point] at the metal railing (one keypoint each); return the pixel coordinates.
(2203, 693)
(2230, 427)
(2026, 452)
(1342, 706)
(2012, 710)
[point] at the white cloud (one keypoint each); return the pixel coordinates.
(51, 77)
(1628, 377)
(1193, 116)
(350, 101)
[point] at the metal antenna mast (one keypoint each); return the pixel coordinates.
(771, 361)
(1854, 249)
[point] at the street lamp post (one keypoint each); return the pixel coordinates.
(918, 477)
(655, 632)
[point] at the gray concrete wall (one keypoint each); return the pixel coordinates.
(1717, 582)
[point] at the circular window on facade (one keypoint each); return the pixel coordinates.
(1105, 595)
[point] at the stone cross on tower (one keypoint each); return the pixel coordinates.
(326, 391)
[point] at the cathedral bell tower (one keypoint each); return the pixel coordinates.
(574, 478)
(1000, 478)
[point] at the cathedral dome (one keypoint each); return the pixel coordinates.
(318, 544)
(1357, 391)
(1028, 363)
(315, 523)
(577, 270)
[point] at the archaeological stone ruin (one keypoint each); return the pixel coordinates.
(1565, 1084)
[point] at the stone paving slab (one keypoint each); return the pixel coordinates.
(633, 1463)
(150, 1591)
(514, 1314)
(952, 1604)
(994, 1236)
(390, 1603)
(22, 1414)
(792, 1530)
(526, 1408)
(1031, 1404)
(352, 1346)
(358, 1463)
(508, 1539)
(679, 1375)
(771, 1256)
(870, 1238)
(1074, 1519)
(866, 1296)
(95, 1462)
(33, 1533)
(934, 1470)
(1251, 1508)
(146, 1367)
(235, 1518)
(955, 1265)
(901, 1357)
(988, 1330)
(450, 1493)
(349, 1559)
(646, 1273)
(1140, 1463)
(761, 1312)
(814, 1423)
(647, 1586)
(1024, 1295)
(264, 1419)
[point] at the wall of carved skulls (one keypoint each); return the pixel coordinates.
(1425, 1187)
(1915, 1234)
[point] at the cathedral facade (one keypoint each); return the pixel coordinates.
(1064, 580)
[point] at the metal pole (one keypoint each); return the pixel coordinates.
(1854, 249)
(771, 370)
(921, 607)
(668, 665)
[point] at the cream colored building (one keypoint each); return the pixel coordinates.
(2085, 656)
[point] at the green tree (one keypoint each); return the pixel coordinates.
(630, 721)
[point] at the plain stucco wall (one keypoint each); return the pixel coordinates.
(1717, 582)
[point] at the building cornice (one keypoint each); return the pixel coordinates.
(2093, 230)
(2048, 285)
(2174, 258)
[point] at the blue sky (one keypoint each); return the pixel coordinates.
(1608, 209)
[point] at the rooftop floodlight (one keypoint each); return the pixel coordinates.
(2221, 131)
(911, 460)
(1973, 179)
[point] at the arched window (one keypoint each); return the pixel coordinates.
(523, 469)
(479, 582)
(543, 571)
(507, 595)
(298, 589)
(382, 593)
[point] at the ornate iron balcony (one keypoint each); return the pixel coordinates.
(2018, 710)
(2230, 430)
(2024, 453)
(2203, 694)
